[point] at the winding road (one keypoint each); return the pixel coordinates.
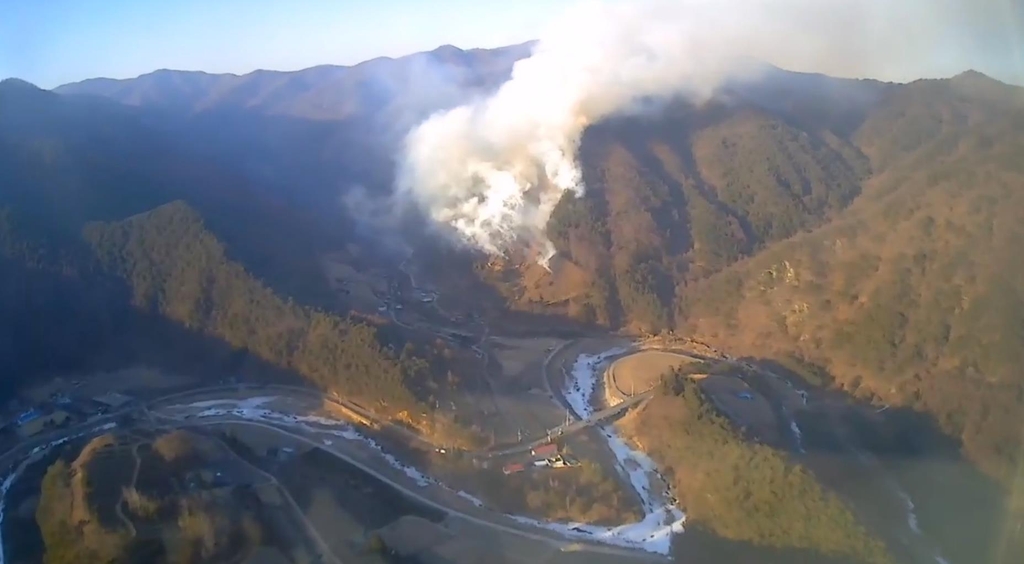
(496, 522)
(477, 516)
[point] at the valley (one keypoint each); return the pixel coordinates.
(780, 324)
(618, 502)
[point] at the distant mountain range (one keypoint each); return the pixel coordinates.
(311, 134)
(868, 231)
(427, 81)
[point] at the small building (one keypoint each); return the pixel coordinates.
(545, 451)
(570, 462)
(513, 468)
(554, 462)
(557, 462)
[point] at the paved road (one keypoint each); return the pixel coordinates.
(575, 426)
(526, 531)
(552, 538)
(561, 430)
(24, 448)
(406, 433)
(563, 543)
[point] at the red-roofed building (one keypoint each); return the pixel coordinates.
(545, 451)
(513, 468)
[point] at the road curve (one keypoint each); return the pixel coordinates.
(554, 539)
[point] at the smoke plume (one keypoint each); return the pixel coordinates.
(494, 169)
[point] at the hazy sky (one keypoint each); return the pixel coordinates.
(51, 42)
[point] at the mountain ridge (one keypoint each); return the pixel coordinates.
(867, 230)
(201, 91)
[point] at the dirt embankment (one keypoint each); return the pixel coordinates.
(639, 372)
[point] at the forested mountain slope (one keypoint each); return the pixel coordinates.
(69, 160)
(675, 198)
(868, 227)
(425, 80)
(116, 243)
(312, 136)
(914, 295)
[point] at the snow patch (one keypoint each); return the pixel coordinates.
(907, 501)
(471, 499)
(650, 534)
(245, 403)
(249, 410)
(8, 481)
(911, 514)
(584, 378)
(798, 435)
(654, 532)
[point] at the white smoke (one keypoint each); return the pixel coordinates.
(493, 170)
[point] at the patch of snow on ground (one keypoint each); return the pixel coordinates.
(798, 435)
(471, 499)
(907, 501)
(584, 378)
(660, 521)
(633, 465)
(8, 481)
(911, 514)
(307, 422)
(652, 534)
(248, 402)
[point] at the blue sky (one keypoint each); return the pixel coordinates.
(51, 42)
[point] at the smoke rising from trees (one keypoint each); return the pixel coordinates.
(493, 169)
